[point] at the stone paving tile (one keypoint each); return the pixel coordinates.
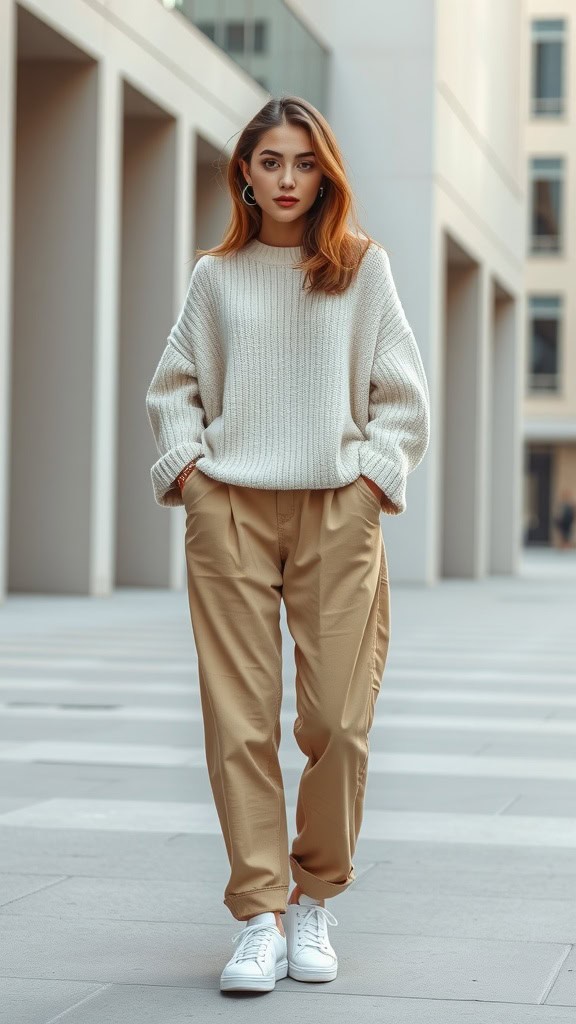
(482, 858)
(529, 918)
(11, 803)
(561, 802)
(112, 925)
(511, 918)
(200, 817)
(530, 746)
(26, 1000)
(149, 1004)
(414, 741)
(14, 888)
(112, 854)
(468, 879)
(122, 899)
(563, 991)
(40, 1000)
(371, 964)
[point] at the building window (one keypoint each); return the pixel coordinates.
(545, 319)
(548, 39)
(234, 41)
(237, 37)
(260, 37)
(547, 182)
(208, 28)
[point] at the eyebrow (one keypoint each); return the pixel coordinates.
(274, 153)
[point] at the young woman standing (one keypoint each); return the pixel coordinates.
(288, 408)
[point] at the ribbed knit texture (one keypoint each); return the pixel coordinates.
(267, 385)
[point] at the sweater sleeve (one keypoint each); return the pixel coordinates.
(398, 431)
(173, 401)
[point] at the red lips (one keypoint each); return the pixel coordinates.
(286, 201)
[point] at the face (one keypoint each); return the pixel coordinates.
(291, 169)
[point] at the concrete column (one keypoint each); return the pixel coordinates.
(506, 448)
(185, 243)
(212, 207)
(53, 326)
(156, 266)
(484, 425)
(103, 453)
(7, 121)
(465, 376)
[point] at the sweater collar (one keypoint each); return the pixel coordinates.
(277, 255)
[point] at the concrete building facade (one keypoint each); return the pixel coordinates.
(548, 118)
(425, 98)
(115, 118)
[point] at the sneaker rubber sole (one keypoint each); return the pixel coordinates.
(312, 973)
(241, 983)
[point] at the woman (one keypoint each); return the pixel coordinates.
(288, 408)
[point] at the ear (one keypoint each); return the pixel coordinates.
(245, 170)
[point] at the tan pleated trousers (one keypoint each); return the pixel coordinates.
(322, 551)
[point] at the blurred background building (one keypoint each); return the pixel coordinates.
(550, 153)
(116, 118)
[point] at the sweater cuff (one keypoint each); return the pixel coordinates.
(390, 479)
(164, 472)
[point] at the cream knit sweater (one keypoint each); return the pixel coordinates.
(266, 385)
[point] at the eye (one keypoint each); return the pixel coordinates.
(303, 163)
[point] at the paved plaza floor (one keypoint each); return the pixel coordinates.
(112, 865)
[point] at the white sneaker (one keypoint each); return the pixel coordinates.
(311, 957)
(260, 959)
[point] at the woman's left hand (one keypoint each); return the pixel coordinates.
(374, 487)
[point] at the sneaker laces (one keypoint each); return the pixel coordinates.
(312, 926)
(253, 941)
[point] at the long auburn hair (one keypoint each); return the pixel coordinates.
(331, 252)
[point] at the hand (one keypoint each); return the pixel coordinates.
(374, 488)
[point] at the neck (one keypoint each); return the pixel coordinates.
(278, 255)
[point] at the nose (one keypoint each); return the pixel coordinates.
(287, 179)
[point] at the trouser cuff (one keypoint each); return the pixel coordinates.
(316, 887)
(257, 901)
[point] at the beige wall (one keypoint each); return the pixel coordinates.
(565, 475)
